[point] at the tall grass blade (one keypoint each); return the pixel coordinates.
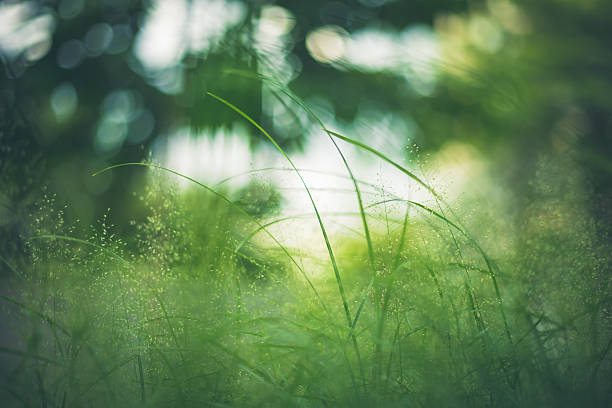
(322, 227)
(366, 229)
(323, 230)
(490, 266)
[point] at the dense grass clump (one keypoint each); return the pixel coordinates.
(421, 304)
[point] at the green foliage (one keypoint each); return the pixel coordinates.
(206, 296)
(199, 310)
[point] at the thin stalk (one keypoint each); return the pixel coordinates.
(305, 107)
(322, 227)
(492, 269)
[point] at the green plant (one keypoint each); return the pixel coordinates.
(208, 307)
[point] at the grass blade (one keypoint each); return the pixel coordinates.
(323, 230)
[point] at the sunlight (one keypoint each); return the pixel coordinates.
(213, 156)
(21, 31)
(173, 27)
(208, 155)
(327, 44)
(160, 43)
(412, 53)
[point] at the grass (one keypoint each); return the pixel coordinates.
(207, 305)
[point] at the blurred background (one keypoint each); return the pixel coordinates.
(86, 84)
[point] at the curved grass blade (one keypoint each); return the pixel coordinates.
(323, 230)
(322, 227)
(326, 173)
(305, 107)
(293, 217)
(366, 230)
(490, 266)
(388, 160)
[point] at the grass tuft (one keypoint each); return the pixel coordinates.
(444, 305)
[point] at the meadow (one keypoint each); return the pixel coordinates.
(220, 298)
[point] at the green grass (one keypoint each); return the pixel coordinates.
(205, 305)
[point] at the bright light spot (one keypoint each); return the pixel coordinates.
(159, 43)
(509, 15)
(209, 156)
(413, 53)
(422, 49)
(20, 33)
(12, 16)
(64, 101)
(373, 50)
(174, 27)
(421, 45)
(273, 43)
(327, 44)
(485, 33)
(209, 20)
(275, 21)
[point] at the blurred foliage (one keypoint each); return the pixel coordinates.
(184, 319)
(515, 78)
(184, 300)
